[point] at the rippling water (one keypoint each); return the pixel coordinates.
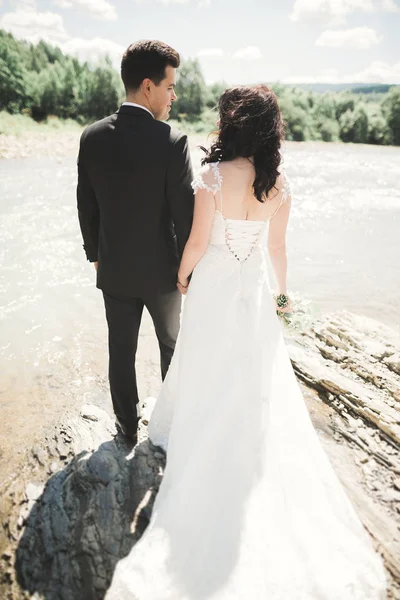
(344, 252)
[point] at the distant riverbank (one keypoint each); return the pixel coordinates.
(22, 137)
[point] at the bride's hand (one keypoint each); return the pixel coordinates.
(182, 285)
(286, 309)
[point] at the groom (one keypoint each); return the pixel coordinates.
(135, 205)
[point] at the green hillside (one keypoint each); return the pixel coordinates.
(38, 80)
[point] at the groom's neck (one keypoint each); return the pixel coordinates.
(138, 99)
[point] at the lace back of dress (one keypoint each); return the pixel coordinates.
(241, 236)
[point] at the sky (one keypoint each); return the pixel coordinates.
(236, 41)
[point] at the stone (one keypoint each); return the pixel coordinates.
(33, 491)
(159, 455)
(91, 412)
(40, 454)
(393, 363)
(391, 496)
(363, 457)
(92, 507)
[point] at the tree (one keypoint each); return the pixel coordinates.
(190, 90)
(391, 107)
(354, 125)
(297, 119)
(101, 93)
(48, 92)
(13, 74)
(40, 80)
(213, 93)
(344, 102)
(325, 126)
(329, 131)
(378, 130)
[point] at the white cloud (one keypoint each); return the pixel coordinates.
(359, 37)
(379, 72)
(26, 5)
(210, 52)
(376, 72)
(101, 9)
(248, 53)
(333, 10)
(94, 49)
(63, 3)
(200, 3)
(390, 6)
(32, 26)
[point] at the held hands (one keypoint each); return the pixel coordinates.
(182, 284)
(96, 264)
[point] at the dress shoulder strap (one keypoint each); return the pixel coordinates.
(286, 192)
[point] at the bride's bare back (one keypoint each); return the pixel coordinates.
(237, 191)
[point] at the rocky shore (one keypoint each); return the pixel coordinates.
(83, 497)
(57, 142)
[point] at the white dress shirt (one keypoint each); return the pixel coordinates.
(137, 106)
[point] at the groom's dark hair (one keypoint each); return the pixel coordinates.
(147, 59)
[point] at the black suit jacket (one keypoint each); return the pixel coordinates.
(135, 201)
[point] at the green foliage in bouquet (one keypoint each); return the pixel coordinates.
(300, 315)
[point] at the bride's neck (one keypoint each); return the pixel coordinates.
(241, 160)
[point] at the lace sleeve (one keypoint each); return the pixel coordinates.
(287, 188)
(208, 178)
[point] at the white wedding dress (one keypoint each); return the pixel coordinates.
(250, 507)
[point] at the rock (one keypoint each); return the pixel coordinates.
(87, 516)
(391, 496)
(43, 142)
(159, 455)
(33, 491)
(365, 387)
(393, 363)
(40, 454)
(53, 467)
(363, 457)
(91, 412)
(68, 531)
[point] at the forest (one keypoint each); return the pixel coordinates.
(39, 81)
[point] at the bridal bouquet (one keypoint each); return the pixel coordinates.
(298, 317)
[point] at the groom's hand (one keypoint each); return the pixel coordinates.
(183, 290)
(96, 264)
(182, 284)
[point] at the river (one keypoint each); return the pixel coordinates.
(343, 247)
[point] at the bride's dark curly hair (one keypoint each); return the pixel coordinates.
(251, 126)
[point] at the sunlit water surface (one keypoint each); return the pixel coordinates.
(343, 245)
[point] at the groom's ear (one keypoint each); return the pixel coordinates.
(146, 86)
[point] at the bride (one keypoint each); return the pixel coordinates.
(250, 507)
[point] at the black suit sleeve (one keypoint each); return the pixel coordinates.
(88, 209)
(179, 192)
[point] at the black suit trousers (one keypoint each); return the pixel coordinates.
(124, 317)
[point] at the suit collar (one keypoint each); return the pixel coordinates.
(126, 109)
